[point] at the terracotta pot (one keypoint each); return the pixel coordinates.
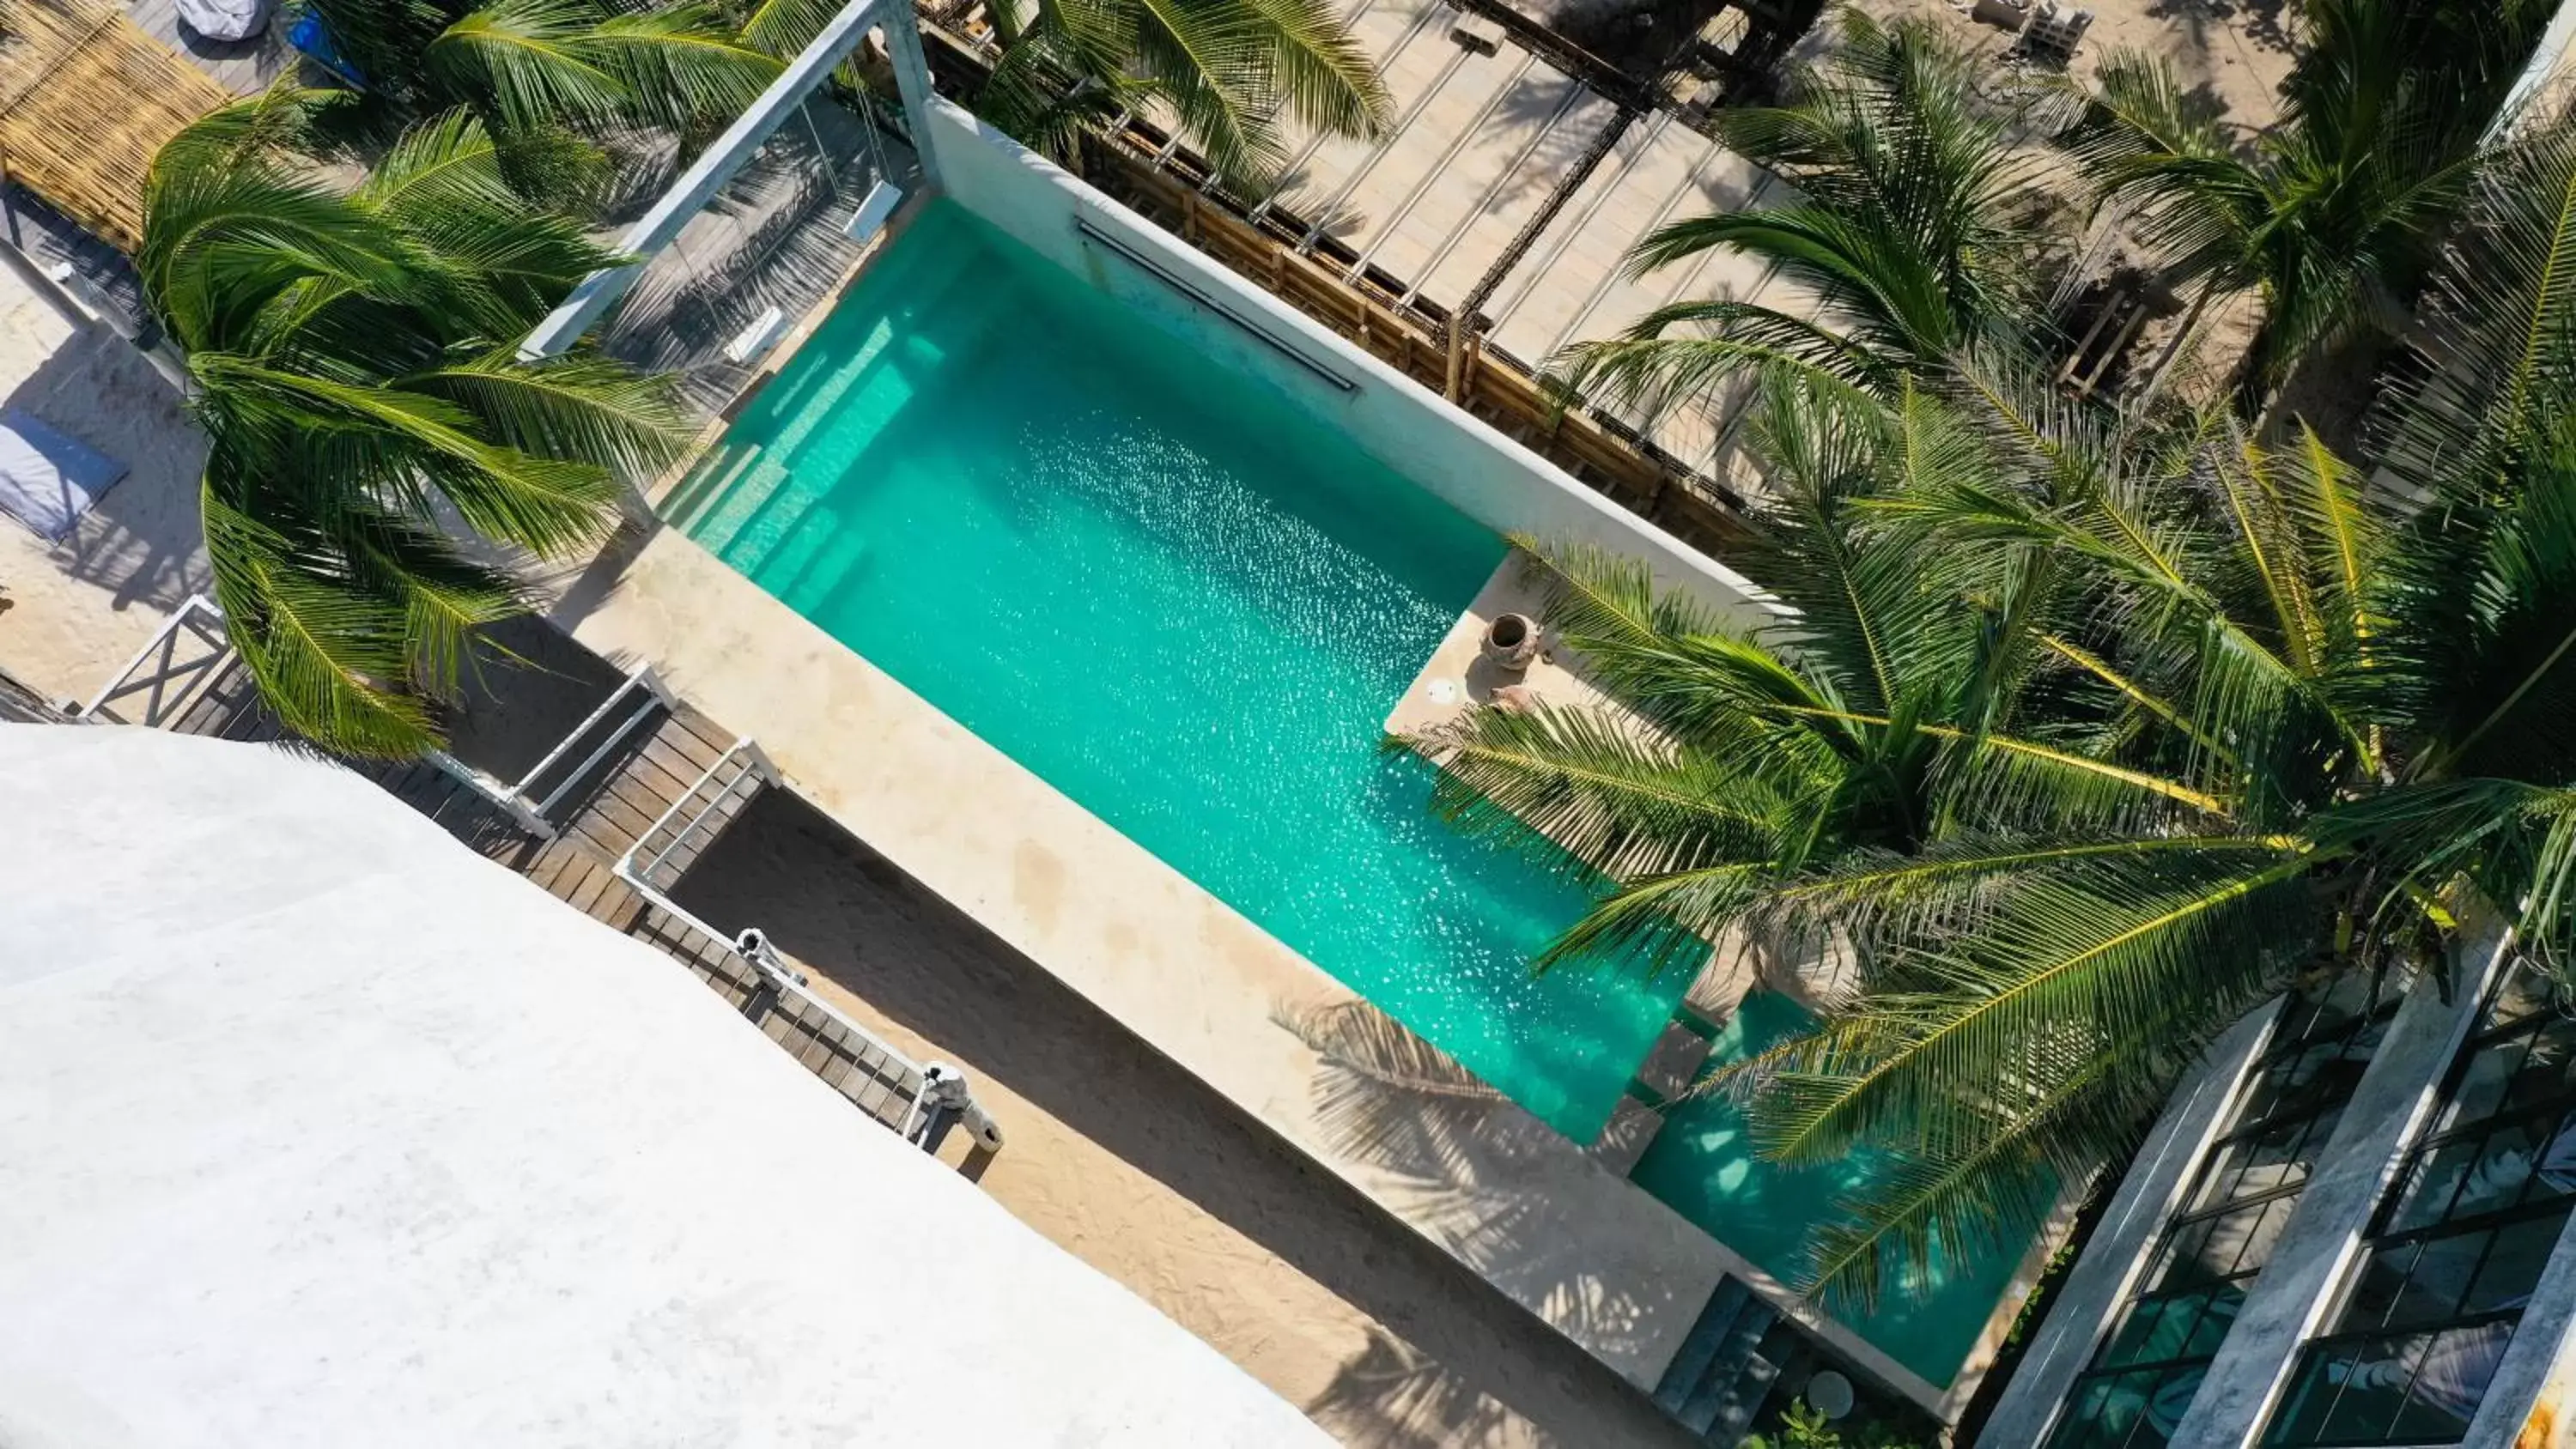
(1512, 641)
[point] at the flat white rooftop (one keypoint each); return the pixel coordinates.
(316, 1128)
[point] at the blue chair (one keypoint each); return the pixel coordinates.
(313, 42)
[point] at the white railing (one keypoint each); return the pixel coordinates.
(172, 668)
(637, 697)
(667, 848)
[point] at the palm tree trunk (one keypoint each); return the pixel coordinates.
(2173, 348)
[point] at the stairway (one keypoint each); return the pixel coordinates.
(745, 502)
(1726, 1367)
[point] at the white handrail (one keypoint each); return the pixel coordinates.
(748, 759)
(644, 679)
(165, 642)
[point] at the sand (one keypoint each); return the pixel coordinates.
(1123, 1159)
(2233, 55)
(72, 612)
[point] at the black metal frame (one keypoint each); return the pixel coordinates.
(2302, 1032)
(2534, 1201)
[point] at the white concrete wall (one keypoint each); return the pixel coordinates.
(1408, 427)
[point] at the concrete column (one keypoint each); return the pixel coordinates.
(2529, 1401)
(2316, 1250)
(714, 169)
(912, 83)
(2117, 1252)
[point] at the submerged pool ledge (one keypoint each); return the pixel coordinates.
(1523, 1208)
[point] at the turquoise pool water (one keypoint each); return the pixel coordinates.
(1702, 1165)
(1180, 602)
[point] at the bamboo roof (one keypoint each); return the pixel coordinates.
(86, 100)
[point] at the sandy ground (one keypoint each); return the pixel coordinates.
(2233, 54)
(76, 610)
(1123, 1159)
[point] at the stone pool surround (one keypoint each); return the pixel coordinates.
(1538, 1217)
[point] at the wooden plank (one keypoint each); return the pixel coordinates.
(618, 905)
(608, 822)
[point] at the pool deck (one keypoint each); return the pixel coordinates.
(1535, 1215)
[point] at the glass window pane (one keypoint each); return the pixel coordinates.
(2527, 991)
(2315, 1385)
(2080, 1428)
(2450, 1380)
(2215, 1320)
(2137, 1338)
(2514, 1264)
(2252, 1231)
(2377, 1288)
(2504, 1163)
(2432, 1178)
(2481, 1091)
(2440, 1279)
(2542, 1073)
(2174, 1267)
(2377, 1375)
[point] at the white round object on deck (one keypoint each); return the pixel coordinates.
(225, 19)
(1830, 1394)
(1442, 691)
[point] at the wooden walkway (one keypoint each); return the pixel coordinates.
(601, 818)
(244, 67)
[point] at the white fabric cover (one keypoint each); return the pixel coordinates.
(224, 19)
(316, 1128)
(48, 478)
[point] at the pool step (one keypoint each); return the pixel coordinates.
(1719, 1379)
(757, 513)
(1745, 1396)
(759, 508)
(821, 416)
(804, 400)
(710, 482)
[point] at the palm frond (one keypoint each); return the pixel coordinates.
(1578, 790)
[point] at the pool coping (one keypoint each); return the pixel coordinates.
(691, 614)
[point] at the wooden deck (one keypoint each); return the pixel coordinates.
(602, 816)
(244, 67)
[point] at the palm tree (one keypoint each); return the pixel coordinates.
(547, 79)
(376, 450)
(2197, 715)
(1916, 231)
(2336, 213)
(1228, 71)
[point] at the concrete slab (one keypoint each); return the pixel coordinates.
(1668, 1069)
(1458, 675)
(1632, 1130)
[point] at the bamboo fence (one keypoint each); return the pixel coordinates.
(1595, 448)
(86, 101)
(1613, 462)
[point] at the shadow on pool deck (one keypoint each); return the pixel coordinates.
(1379, 1336)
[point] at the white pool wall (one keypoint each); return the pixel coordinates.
(1403, 424)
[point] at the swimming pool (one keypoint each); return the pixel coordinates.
(1703, 1166)
(1183, 603)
